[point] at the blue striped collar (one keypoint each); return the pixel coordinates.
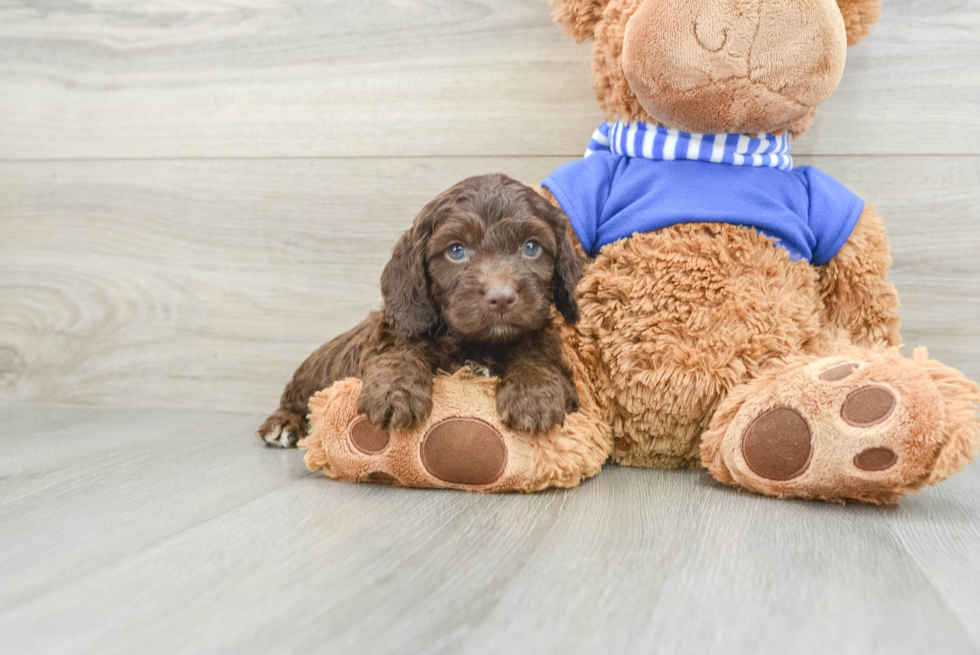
(661, 144)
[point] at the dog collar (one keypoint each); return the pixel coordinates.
(661, 144)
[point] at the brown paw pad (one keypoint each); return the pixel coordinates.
(868, 406)
(367, 437)
(464, 451)
(777, 444)
(838, 373)
(876, 459)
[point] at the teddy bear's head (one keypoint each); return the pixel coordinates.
(717, 66)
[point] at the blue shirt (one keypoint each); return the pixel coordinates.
(609, 196)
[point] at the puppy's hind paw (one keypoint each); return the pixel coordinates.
(282, 430)
(279, 438)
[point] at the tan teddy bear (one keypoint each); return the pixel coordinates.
(736, 310)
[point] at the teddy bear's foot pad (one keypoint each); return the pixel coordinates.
(464, 451)
(868, 430)
(777, 445)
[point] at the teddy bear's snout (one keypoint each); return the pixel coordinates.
(720, 66)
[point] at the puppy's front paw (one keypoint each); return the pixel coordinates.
(394, 406)
(532, 408)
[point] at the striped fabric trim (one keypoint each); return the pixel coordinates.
(661, 144)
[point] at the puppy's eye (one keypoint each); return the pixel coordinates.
(456, 252)
(532, 248)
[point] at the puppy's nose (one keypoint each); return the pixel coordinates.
(501, 299)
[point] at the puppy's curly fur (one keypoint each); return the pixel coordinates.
(474, 280)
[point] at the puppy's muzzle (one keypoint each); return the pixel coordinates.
(501, 299)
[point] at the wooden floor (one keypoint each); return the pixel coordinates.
(194, 194)
(164, 531)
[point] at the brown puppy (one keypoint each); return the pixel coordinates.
(473, 281)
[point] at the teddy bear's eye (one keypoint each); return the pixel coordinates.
(532, 248)
(456, 252)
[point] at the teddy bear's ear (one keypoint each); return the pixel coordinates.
(859, 16)
(579, 17)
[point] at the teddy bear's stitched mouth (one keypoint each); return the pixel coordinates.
(724, 40)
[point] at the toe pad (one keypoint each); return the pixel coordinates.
(876, 459)
(368, 438)
(868, 406)
(838, 373)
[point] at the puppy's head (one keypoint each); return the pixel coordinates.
(487, 259)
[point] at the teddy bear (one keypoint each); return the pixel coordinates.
(736, 313)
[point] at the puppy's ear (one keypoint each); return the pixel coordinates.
(408, 305)
(568, 264)
(568, 272)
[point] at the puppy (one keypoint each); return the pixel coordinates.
(473, 281)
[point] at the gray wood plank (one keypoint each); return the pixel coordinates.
(690, 567)
(941, 532)
(83, 489)
(204, 284)
(165, 547)
(44, 450)
(240, 78)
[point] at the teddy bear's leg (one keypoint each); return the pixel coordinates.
(444, 452)
(463, 445)
(864, 424)
(854, 288)
(673, 320)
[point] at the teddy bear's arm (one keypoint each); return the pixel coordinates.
(854, 286)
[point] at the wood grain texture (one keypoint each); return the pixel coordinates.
(299, 78)
(940, 531)
(165, 532)
(74, 469)
(204, 284)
